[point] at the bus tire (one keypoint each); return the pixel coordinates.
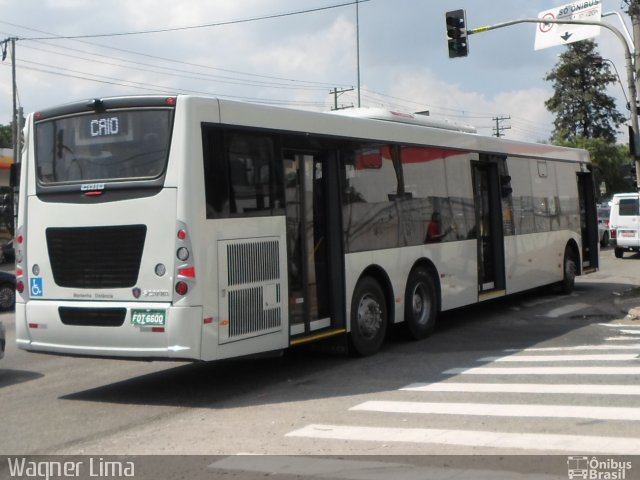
(369, 317)
(618, 252)
(420, 304)
(569, 268)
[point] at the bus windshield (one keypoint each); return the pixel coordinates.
(107, 146)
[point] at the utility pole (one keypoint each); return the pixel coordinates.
(497, 131)
(335, 92)
(358, 47)
(634, 14)
(10, 43)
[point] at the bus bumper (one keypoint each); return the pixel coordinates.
(40, 328)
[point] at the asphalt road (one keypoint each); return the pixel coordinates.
(535, 374)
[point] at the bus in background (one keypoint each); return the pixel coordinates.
(197, 228)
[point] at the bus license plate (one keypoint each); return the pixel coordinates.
(148, 317)
(628, 234)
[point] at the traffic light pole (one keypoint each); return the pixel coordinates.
(629, 59)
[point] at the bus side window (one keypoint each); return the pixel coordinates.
(215, 173)
(241, 176)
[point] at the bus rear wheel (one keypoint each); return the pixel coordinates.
(369, 317)
(420, 307)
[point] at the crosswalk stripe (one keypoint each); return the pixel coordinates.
(634, 346)
(620, 339)
(502, 410)
(562, 358)
(621, 370)
(575, 389)
(617, 325)
(578, 444)
(630, 332)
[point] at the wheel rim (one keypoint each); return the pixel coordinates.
(6, 298)
(421, 304)
(369, 316)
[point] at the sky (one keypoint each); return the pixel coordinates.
(294, 59)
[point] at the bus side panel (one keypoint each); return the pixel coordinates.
(535, 260)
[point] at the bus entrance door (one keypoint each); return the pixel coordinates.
(313, 246)
(588, 222)
(490, 236)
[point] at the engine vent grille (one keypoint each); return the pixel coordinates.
(251, 288)
(96, 257)
(248, 313)
(253, 262)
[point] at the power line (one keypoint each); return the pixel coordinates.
(193, 27)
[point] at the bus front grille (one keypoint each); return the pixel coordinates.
(92, 317)
(96, 257)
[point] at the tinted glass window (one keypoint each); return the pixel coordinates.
(242, 176)
(628, 207)
(108, 146)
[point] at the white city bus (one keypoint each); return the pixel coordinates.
(198, 228)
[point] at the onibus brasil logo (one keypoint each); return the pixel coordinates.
(595, 468)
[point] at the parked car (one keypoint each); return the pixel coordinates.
(603, 225)
(7, 253)
(7, 291)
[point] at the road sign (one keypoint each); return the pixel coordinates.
(552, 35)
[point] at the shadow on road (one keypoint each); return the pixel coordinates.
(517, 322)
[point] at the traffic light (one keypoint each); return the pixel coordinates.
(457, 33)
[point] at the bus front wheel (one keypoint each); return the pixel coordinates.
(420, 307)
(368, 317)
(570, 267)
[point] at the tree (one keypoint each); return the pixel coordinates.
(5, 136)
(612, 162)
(580, 102)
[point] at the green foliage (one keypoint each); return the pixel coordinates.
(5, 136)
(580, 103)
(611, 161)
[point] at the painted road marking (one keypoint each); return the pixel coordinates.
(562, 358)
(537, 388)
(579, 444)
(544, 371)
(634, 346)
(502, 410)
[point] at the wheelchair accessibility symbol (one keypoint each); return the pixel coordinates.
(35, 287)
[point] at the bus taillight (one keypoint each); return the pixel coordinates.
(185, 269)
(182, 288)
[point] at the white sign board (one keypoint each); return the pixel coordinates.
(552, 34)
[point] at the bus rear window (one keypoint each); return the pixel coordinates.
(107, 146)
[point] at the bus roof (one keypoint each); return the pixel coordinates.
(367, 124)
